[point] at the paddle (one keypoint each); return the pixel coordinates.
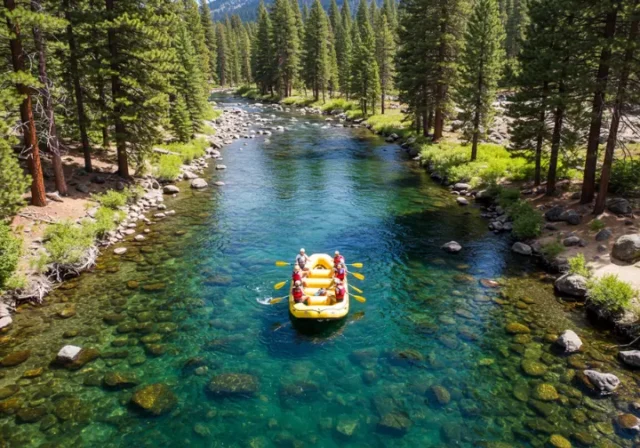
(356, 265)
(277, 300)
(356, 289)
(357, 275)
(359, 298)
(281, 284)
(282, 263)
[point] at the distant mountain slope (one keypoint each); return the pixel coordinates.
(246, 9)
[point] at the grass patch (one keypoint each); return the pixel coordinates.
(506, 197)
(338, 104)
(10, 251)
(208, 130)
(66, 243)
(578, 265)
(188, 151)
(552, 250)
(253, 93)
(107, 220)
(112, 199)
(168, 167)
(355, 113)
(393, 121)
(299, 101)
(611, 293)
(494, 162)
(596, 225)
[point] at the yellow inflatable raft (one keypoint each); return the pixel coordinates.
(319, 307)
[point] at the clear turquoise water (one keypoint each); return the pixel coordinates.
(427, 320)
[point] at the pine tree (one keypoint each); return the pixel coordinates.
(480, 68)
(334, 15)
(263, 51)
(365, 74)
(385, 54)
(197, 34)
(245, 55)
(316, 60)
(286, 46)
(344, 49)
(23, 86)
(223, 55)
(209, 30)
(180, 119)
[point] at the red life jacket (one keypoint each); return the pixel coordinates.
(297, 293)
(340, 292)
(341, 273)
(297, 276)
(337, 260)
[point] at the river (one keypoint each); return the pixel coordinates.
(426, 361)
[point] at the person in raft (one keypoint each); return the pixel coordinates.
(302, 260)
(339, 291)
(340, 272)
(298, 275)
(298, 293)
(337, 259)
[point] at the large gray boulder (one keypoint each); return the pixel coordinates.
(569, 341)
(619, 206)
(630, 357)
(522, 249)
(170, 189)
(627, 248)
(572, 285)
(554, 213)
(605, 383)
(571, 217)
(452, 247)
(68, 353)
(460, 186)
(199, 183)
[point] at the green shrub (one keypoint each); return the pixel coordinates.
(135, 193)
(67, 243)
(391, 122)
(168, 167)
(112, 199)
(625, 176)
(16, 281)
(610, 293)
(508, 197)
(578, 265)
(10, 249)
(527, 222)
(552, 250)
(208, 130)
(13, 182)
(596, 225)
(339, 103)
(107, 220)
(188, 151)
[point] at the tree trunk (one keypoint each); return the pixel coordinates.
(476, 134)
(617, 114)
(540, 136)
(441, 89)
(121, 143)
(73, 62)
(38, 196)
(53, 143)
(589, 180)
(382, 102)
(555, 143)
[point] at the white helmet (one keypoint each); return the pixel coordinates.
(302, 250)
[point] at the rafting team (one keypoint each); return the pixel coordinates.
(301, 269)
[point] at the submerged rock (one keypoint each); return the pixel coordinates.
(630, 358)
(545, 392)
(533, 368)
(517, 328)
(558, 441)
(155, 399)
(199, 184)
(397, 423)
(170, 189)
(233, 384)
(31, 415)
(120, 380)
(441, 394)
(347, 426)
(15, 358)
(569, 342)
(629, 422)
(603, 383)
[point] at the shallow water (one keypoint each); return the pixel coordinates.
(426, 361)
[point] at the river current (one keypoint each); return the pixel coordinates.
(426, 361)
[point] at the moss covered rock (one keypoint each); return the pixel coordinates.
(233, 384)
(155, 399)
(557, 441)
(15, 358)
(533, 368)
(545, 392)
(517, 328)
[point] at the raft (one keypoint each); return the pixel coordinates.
(319, 307)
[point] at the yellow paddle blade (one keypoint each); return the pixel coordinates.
(282, 263)
(276, 300)
(280, 285)
(358, 275)
(359, 298)
(356, 265)
(355, 289)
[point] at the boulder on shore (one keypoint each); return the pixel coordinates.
(569, 341)
(627, 248)
(199, 183)
(462, 201)
(619, 206)
(522, 249)
(572, 285)
(452, 247)
(170, 189)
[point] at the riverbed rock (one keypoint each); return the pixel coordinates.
(31, 414)
(558, 441)
(522, 249)
(627, 248)
(396, 423)
(517, 328)
(462, 201)
(155, 399)
(234, 384)
(545, 392)
(221, 167)
(170, 189)
(15, 358)
(120, 250)
(533, 368)
(347, 426)
(461, 186)
(452, 247)
(8, 391)
(569, 342)
(120, 380)
(68, 353)
(441, 395)
(604, 383)
(199, 184)
(572, 285)
(85, 356)
(619, 206)
(629, 423)
(630, 358)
